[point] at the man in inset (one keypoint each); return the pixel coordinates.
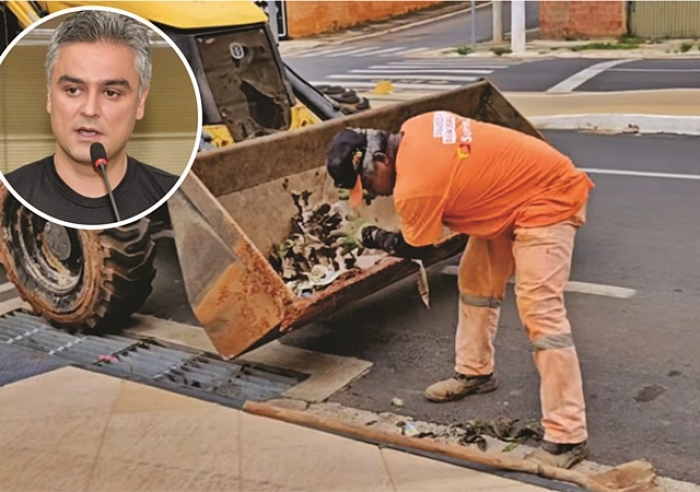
(98, 69)
(520, 201)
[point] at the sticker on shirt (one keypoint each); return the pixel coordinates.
(444, 126)
(464, 149)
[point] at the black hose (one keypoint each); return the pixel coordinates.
(311, 97)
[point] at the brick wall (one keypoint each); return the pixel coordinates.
(305, 18)
(582, 19)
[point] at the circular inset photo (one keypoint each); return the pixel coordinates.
(100, 118)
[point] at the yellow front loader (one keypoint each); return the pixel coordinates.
(235, 205)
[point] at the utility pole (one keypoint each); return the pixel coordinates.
(497, 18)
(272, 17)
(473, 19)
(517, 26)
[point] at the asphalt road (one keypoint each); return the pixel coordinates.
(641, 234)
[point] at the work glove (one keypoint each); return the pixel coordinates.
(373, 237)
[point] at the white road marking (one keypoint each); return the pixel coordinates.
(412, 64)
(395, 70)
(402, 86)
(644, 174)
(6, 287)
(577, 79)
(350, 51)
(573, 286)
(317, 52)
(653, 70)
(600, 289)
(378, 52)
(381, 76)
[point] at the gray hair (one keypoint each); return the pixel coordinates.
(91, 26)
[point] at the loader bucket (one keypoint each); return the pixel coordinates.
(236, 205)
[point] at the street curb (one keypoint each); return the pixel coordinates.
(620, 123)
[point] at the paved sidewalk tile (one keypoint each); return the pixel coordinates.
(290, 456)
(411, 473)
(73, 430)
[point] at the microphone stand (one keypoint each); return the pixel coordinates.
(109, 190)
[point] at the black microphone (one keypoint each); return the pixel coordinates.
(98, 154)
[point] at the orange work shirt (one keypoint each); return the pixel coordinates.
(479, 179)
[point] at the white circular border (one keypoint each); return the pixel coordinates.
(193, 155)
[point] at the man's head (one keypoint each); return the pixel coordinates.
(98, 69)
(363, 161)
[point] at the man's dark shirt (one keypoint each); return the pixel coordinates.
(41, 186)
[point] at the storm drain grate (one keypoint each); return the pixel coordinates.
(147, 360)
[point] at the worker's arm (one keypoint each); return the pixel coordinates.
(393, 243)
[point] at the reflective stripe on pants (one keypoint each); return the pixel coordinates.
(484, 270)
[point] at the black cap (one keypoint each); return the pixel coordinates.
(342, 153)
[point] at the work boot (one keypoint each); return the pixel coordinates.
(459, 386)
(559, 455)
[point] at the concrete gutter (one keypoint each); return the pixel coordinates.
(620, 123)
(662, 111)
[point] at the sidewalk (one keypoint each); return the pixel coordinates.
(71, 429)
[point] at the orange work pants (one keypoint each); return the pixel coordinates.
(541, 260)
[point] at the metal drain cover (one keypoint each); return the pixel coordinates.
(149, 361)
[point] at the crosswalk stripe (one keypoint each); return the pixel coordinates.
(447, 62)
(402, 77)
(436, 67)
(308, 54)
(352, 51)
(421, 70)
(355, 52)
(377, 52)
(398, 85)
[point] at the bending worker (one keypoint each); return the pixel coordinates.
(520, 202)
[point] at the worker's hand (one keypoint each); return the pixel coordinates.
(374, 237)
(369, 236)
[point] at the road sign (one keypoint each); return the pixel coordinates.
(282, 32)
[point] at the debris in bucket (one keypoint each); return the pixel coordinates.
(321, 248)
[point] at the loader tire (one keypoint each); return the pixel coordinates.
(347, 99)
(76, 279)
